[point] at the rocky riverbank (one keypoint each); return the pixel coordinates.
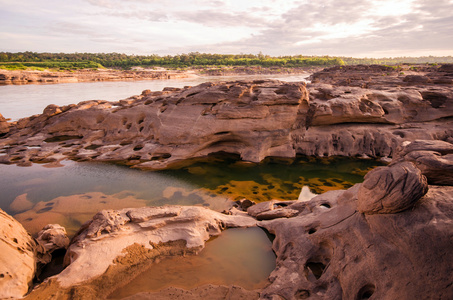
(382, 239)
(137, 73)
(386, 238)
(255, 119)
(37, 77)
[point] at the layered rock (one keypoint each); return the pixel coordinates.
(255, 119)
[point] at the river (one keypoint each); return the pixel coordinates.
(72, 194)
(19, 101)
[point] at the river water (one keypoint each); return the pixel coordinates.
(72, 194)
(19, 101)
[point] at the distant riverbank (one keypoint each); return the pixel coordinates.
(137, 73)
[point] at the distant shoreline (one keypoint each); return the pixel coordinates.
(21, 77)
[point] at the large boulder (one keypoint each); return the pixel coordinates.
(18, 258)
(391, 189)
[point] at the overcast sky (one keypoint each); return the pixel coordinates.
(360, 28)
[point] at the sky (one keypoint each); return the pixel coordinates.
(358, 28)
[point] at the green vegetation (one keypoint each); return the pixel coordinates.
(116, 60)
(433, 60)
(74, 61)
(55, 65)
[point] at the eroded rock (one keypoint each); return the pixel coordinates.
(391, 189)
(330, 251)
(18, 258)
(110, 232)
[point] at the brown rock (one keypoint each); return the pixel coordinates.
(4, 126)
(53, 237)
(336, 253)
(391, 189)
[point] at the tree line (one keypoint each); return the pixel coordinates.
(64, 61)
(195, 59)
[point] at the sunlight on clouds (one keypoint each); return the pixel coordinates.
(389, 8)
(337, 31)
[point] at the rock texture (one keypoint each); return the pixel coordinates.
(18, 258)
(110, 232)
(255, 119)
(332, 251)
(391, 189)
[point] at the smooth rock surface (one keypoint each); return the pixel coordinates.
(18, 258)
(110, 232)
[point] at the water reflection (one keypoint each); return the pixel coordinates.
(240, 257)
(71, 195)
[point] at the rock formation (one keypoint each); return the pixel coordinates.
(255, 119)
(382, 239)
(26, 77)
(387, 238)
(19, 256)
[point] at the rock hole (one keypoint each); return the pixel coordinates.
(15, 240)
(366, 292)
(2, 275)
(326, 205)
(311, 230)
(302, 294)
(138, 147)
(222, 132)
(128, 126)
(316, 268)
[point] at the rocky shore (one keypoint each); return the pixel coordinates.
(389, 237)
(137, 73)
(36, 77)
(255, 119)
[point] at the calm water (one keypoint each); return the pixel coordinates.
(72, 194)
(19, 101)
(241, 257)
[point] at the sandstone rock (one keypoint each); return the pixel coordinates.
(391, 189)
(110, 232)
(254, 119)
(433, 158)
(53, 237)
(335, 252)
(18, 261)
(437, 168)
(4, 126)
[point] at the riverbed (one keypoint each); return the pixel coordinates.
(70, 195)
